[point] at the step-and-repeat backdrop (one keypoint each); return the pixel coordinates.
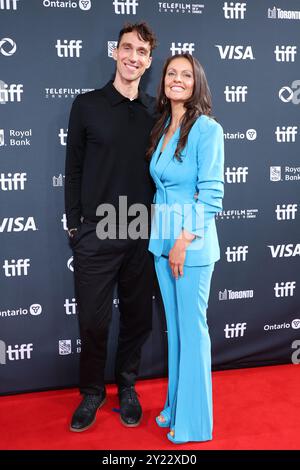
(50, 51)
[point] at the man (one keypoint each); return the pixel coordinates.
(107, 140)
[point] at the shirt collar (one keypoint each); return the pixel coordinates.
(116, 98)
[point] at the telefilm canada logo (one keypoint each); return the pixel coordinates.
(84, 5)
(63, 93)
(237, 214)
(181, 7)
(7, 47)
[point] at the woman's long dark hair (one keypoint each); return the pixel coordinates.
(199, 103)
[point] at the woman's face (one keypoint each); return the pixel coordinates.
(179, 80)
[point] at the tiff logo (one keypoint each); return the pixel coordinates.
(236, 254)
(10, 93)
(14, 267)
(285, 53)
(64, 222)
(235, 330)
(285, 289)
(286, 211)
(8, 4)
(70, 307)
(68, 48)
(125, 7)
(16, 353)
(286, 134)
(236, 175)
(63, 136)
(182, 48)
(12, 182)
(234, 11)
(235, 94)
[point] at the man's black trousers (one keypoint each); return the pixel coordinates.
(98, 266)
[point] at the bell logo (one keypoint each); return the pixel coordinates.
(35, 309)
(85, 5)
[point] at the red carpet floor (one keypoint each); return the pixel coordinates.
(256, 408)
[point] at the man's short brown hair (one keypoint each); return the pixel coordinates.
(144, 32)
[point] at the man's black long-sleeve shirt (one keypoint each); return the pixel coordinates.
(108, 136)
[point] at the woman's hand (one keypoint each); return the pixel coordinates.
(178, 253)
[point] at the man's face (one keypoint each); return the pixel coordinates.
(132, 57)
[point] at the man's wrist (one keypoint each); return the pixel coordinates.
(72, 232)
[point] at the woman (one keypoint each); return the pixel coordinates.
(187, 158)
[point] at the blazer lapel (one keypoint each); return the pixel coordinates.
(165, 159)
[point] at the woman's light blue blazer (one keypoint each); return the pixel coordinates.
(200, 171)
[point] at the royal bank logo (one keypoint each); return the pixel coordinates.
(65, 347)
(250, 134)
(84, 5)
(286, 133)
(10, 93)
(236, 174)
(291, 173)
(235, 330)
(279, 14)
(285, 53)
(237, 214)
(9, 4)
(17, 224)
(7, 47)
(181, 7)
(228, 294)
(234, 10)
(15, 353)
(70, 306)
(290, 94)
(65, 92)
(111, 46)
(285, 251)
(182, 48)
(231, 52)
(16, 138)
(125, 7)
